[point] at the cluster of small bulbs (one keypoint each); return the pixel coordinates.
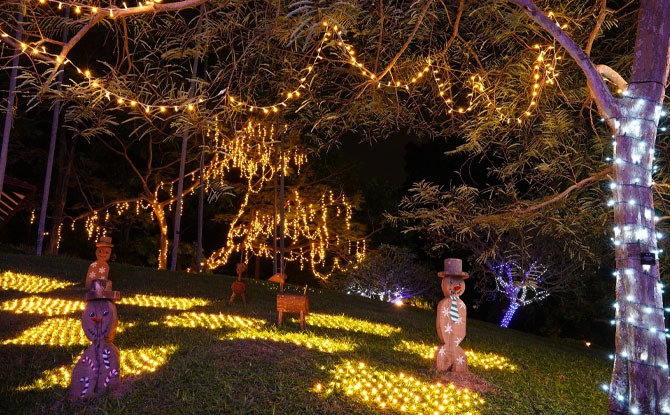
(638, 157)
(42, 306)
(480, 360)
(133, 362)
(211, 321)
(305, 339)
(157, 301)
(544, 73)
(342, 322)
(31, 284)
(400, 392)
(57, 332)
(253, 152)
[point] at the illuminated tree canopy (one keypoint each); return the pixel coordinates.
(535, 93)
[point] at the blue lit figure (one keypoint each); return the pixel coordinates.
(520, 286)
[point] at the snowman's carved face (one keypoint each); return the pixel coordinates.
(99, 320)
(102, 253)
(453, 286)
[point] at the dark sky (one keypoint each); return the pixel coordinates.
(383, 159)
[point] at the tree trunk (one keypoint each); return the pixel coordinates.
(65, 163)
(640, 377)
(50, 160)
(182, 162)
(509, 314)
(11, 97)
(163, 228)
(639, 382)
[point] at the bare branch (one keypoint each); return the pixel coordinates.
(596, 28)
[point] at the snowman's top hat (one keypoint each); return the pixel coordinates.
(104, 241)
(101, 289)
(453, 267)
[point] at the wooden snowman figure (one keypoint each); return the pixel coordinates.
(451, 319)
(98, 368)
(99, 269)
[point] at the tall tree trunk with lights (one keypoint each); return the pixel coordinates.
(640, 377)
(639, 382)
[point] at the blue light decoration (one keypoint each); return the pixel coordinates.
(521, 287)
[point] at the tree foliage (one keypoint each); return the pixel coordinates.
(388, 273)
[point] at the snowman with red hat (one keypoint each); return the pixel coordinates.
(451, 319)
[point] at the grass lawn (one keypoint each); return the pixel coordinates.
(184, 350)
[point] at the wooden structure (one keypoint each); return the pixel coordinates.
(451, 319)
(293, 303)
(98, 369)
(99, 269)
(239, 287)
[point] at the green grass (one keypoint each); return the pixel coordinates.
(183, 357)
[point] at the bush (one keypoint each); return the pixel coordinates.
(389, 273)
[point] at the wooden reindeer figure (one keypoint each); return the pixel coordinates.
(451, 319)
(238, 286)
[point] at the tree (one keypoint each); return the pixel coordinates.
(388, 273)
(521, 286)
(477, 58)
(318, 227)
(640, 376)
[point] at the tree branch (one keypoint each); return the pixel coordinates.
(601, 94)
(596, 28)
(596, 177)
(402, 49)
(116, 12)
(540, 205)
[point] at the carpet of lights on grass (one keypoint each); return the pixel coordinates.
(350, 324)
(42, 306)
(134, 362)
(30, 284)
(475, 359)
(170, 303)
(58, 331)
(398, 391)
(304, 339)
(381, 388)
(211, 321)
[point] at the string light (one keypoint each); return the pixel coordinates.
(252, 152)
(43, 306)
(157, 301)
(133, 362)
(633, 158)
(31, 284)
(543, 74)
(398, 391)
